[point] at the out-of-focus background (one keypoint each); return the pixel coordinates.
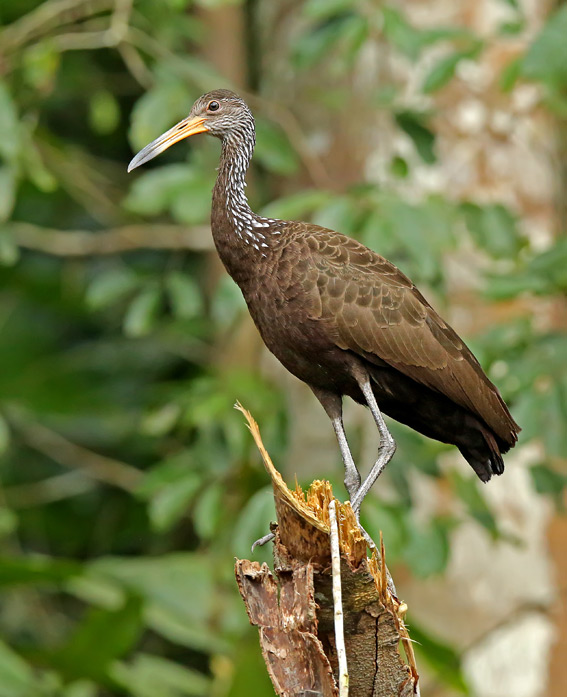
(435, 132)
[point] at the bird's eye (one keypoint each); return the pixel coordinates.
(213, 106)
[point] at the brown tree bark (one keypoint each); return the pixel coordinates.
(293, 606)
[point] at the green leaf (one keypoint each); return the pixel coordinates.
(411, 231)
(16, 676)
(80, 688)
(297, 206)
(179, 592)
(253, 521)
(192, 205)
(149, 676)
(109, 286)
(273, 149)
(399, 167)
(341, 213)
(8, 181)
(510, 74)
(512, 28)
(551, 483)
(323, 9)
(36, 570)
(40, 64)
(546, 58)
(209, 510)
(544, 274)
(184, 295)
(427, 549)
(467, 489)
(553, 432)
(406, 38)
(442, 658)
(413, 124)
(443, 71)
(161, 420)
(212, 4)
(4, 435)
(8, 521)
(551, 266)
(316, 44)
(169, 504)
(493, 228)
(510, 286)
(101, 638)
(97, 590)
(9, 251)
(154, 192)
(167, 472)
(33, 167)
(9, 126)
(228, 303)
(250, 675)
(104, 112)
(142, 313)
(158, 109)
(391, 520)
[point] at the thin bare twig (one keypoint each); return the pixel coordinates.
(57, 488)
(83, 40)
(135, 64)
(59, 449)
(120, 19)
(127, 238)
(47, 16)
(338, 600)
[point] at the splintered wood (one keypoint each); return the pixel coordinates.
(293, 606)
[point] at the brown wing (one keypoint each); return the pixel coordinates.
(377, 312)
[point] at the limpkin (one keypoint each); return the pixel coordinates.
(342, 318)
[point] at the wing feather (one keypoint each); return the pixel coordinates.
(374, 310)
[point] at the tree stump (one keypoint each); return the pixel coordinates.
(294, 610)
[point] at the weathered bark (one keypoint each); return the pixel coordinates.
(293, 606)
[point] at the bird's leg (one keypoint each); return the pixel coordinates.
(332, 405)
(387, 446)
(352, 475)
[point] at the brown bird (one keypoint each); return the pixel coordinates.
(342, 318)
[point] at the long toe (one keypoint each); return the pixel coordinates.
(263, 540)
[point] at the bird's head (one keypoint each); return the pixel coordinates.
(220, 113)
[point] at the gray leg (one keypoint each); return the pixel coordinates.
(332, 405)
(352, 475)
(387, 443)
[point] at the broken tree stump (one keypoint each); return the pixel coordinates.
(293, 606)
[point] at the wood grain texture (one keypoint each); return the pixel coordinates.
(293, 606)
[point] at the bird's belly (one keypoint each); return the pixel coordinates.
(305, 349)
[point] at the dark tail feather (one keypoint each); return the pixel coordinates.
(485, 456)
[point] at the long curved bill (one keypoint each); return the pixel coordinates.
(185, 128)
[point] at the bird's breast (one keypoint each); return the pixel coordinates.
(301, 342)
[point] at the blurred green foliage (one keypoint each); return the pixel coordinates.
(129, 482)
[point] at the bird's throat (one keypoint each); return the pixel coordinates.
(237, 230)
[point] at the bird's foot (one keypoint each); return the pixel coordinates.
(263, 540)
(369, 541)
